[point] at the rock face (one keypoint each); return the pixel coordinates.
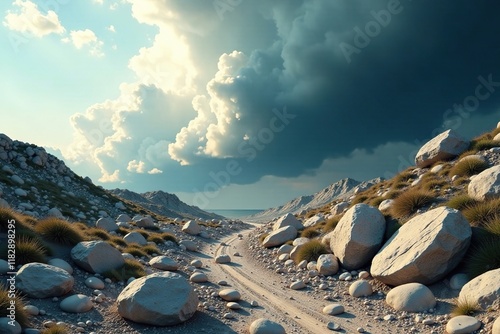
(280, 236)
(411, 297)
(486, 184)
(484, 289)
(265, 326)
(38, 280)
(358, 236)
(191, 227)
(161, 299)
(425, 249)
(97, 256)
(444, 146)
(288, 220)
(327, 264)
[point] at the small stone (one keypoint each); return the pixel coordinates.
(429, 321)
(333, 326)
(333, 309)
(462, 324)
(228, 316)
(32, 310)
(360, 330)
(233, 306)
(389, 317)
(76, 304)
(94, 283)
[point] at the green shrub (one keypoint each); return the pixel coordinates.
(131, 268)
(310, 232)
(30, 250)
(57, 329)
(407, 203)
(482, 256)
(468, 167)
(311, 250)
(58, 231)
(22, 317)
(97, 233)
(461, 202)
(481, 213)
(331, 223)
(464, 306)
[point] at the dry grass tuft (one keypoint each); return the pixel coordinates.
(311, 250)
(59, 231)
(409, 202)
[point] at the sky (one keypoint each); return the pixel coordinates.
(239, 104)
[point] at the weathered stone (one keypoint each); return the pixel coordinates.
(411, 297)
(358, 236)
(327, 264)
(38, 280)
(164, 263)
(135, 238)
(288, 220)
(361, 288)
(106, 224)
(265, 326)
(280, 236)
(161, 299)
(424, 249)
(230, 295)
(462, 324)
(192, 228)
(484, 289)
(442, 147)
(333, 309)
(76, 304)
(97, 256)
(486, 184)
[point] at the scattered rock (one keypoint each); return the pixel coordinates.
(191, 227)
(484, 289)
(361, 288)
(38, 280)
(135, 238)
(486, 184)
(333, 326)
(76, 304)
(60, 263)
(327, 264)
(94, 283)
(196, 263)
(97, 256)
(230, 295)
(333, 309)
(145, 222)
(462, 324)
(164, 263)
(298, 285)
(198, 278)
(358, 236)
(224, 258)
(265, 326)
(106, 224)
(233, 306)
(442, 147)
(280, 236)
(424, 249)
(385, 204)
(160, 299)
(314, 220)
(411, 297)
(339, 208)
(288, 220)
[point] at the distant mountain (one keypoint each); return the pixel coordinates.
(164, 204)
(339, 190)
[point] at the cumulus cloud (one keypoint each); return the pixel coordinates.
(135, 166)
(85, 38)
(155, 171)
(27, 18)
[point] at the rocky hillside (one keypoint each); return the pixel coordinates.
(39, 184)
(165, 204)
(338, 190)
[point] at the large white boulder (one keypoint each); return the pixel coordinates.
(486, 184)
(339, 208)
(314, 220)
(107, 224)
(288, 220)
(96, 256)
(145, 222)
(38, 280)
(442, 147)
(411, 297)
(265, 326)
(191, 227)
(280, 236)
(424, 249)
(161, 299)
(484, 289)
(327, 264)
(135, 237)
(164, 263)
(358, 236)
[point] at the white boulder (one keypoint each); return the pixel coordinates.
(145, 222)
(198, 277)
(333, 309)
(191, 227)
(424, 249)
(462, 324)
(230, 295)
(38, 280)
(288, 220)
(161, 299)
(411, 297)
(106, 224)
(280, 236)
(442, 147)
(327, 264)
(265, 326)
(360, 288)
(60, 263)
(164, 263)
(339, 208)
(135, 238)
(223, 258)
(314, 220)
(484, 289)
(76, 304)
(486, 184)
(96, 256)
(358, 236)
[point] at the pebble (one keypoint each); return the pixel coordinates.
(333, 326)
(428, 321)
(360, 330)
(228, 316)
(389, 317)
